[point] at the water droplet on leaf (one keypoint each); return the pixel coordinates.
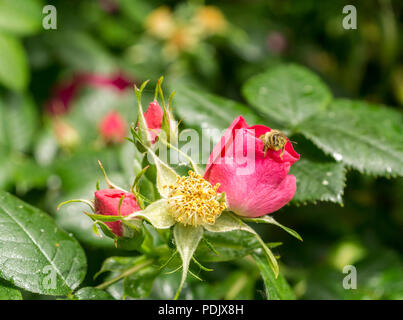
(337, 156)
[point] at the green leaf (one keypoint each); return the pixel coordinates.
(276, 288)
(6, 167)
(229, 246)
(35, 254)
(186, 239)
(81, 170)
(91, 293)
(316, 180)
(7, 292)
(270, 220)
(28, 174)
(199, 109)
(157, 214)
(18, 122)
(20, 17)
(239, 285)
(135, 10)
(364, 136)
(13, 63)
(79, 50)
(229, 222)
(287, 93)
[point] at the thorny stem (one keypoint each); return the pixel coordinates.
(126, 273)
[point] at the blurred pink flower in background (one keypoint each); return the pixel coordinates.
(110, 6)
(113, 127)
(65, 92)
(276, 42)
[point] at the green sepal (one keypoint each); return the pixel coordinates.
(229, 222)
(110, 184)
(270, 220)
(91, 293)
(133, 234)
(165, 175)
(142, 128)
(193, 164)
(157, 214)
(187, 239)
(103, 218)
(105, 229)
(88, 202)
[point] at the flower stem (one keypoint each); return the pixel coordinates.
(126, 273)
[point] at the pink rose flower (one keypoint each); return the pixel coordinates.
(107, 203)
(255, 183)
(153, 117)
(113, 127)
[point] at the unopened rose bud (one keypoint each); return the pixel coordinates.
(153, 117)
(113, 128)
(107, 203)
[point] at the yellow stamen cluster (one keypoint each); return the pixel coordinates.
(193, 201)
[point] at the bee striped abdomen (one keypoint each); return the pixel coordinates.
(274, 140)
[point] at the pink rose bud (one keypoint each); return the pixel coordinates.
(107, 203)
(113, 127)
(252, 168)
(153, 117)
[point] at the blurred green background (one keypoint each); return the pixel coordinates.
(56, 85)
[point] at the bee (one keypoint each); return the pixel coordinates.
(275, 140)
